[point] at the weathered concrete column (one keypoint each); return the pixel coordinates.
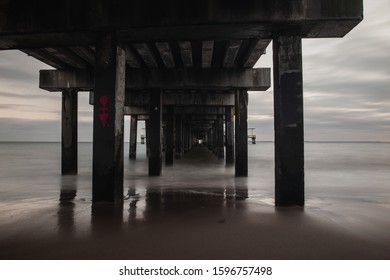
(241, 133)
(220, 139)
(155, 132)
(133, 137)
(185, 138)
(170, 136)
(147, 137)
(108, 119)
(288, 106)
(69, 132)
(229, 141)
(179, 137)
(212, 139)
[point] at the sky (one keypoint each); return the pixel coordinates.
(346, 90)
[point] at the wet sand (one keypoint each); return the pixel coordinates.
(182, 216)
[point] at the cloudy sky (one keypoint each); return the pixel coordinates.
(346, 90)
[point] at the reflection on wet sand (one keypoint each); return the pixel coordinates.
(157, 202)
(66, 205)
(196, 210)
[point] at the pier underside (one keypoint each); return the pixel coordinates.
(184, 68)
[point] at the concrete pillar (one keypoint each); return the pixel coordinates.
(220, 139)
(69, 132)
(155, 132)
(133, 137)
(229, 141)
(170, 136)
(146, 136)
(212, 139)
(241, 133)
(108, 119)
(179, 137)
(288, 106)
(191, 138)
(185, 137)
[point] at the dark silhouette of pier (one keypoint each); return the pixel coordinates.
(183, 67)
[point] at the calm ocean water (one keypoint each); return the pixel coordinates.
(352, 178)
(331, 169)
(347, 187)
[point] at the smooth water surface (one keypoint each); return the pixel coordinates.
(347, 204)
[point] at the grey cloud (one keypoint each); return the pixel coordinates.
(17, 75)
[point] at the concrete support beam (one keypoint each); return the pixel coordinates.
(186, 137)
(175, 79)
(145, 53)
(220, 139)
(288, 106)
(108, 119)
(179, 137)
(69, 132)
(258, 50)
(229, 132)
(68, 22)
(170, 136)
(186, 53)
(147, 132)
(207, 53)
(166, 54)
(155, 133)
(136, 110)
(133, 137)
(231, 53)
(241, 133)
(199, 110)
(187, 98)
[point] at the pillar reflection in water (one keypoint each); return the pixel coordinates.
(65, 213)
(106, 218)
(157, 202)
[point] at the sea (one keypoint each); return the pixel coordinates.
(346, 184)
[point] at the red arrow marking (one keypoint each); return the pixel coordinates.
(103, 116)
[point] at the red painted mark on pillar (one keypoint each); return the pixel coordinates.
(103, 116)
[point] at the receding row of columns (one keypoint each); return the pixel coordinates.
(108, 123)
